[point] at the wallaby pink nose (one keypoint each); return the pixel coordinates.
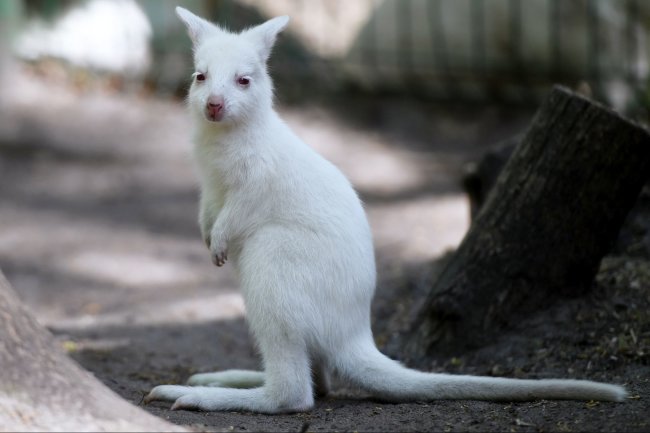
(216, 101)
(215, 108)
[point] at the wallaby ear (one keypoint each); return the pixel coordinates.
(265, 34)
(197, 27)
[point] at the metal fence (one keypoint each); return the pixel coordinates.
(509, 48)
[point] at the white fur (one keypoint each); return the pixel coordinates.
(297, 234)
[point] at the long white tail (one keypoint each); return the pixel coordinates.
(388, 380)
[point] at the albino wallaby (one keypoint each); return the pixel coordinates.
(299, 239)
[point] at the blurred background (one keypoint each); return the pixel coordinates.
(438, 49)
(98, 198)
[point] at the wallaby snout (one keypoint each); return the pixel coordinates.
(215, 108)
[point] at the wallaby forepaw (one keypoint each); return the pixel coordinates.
(219, 259)
(219, 249)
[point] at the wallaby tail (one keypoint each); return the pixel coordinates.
(388, 380)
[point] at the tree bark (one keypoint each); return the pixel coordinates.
(554, 212)
(42, 389)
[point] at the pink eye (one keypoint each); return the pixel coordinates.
(200, 77)
(243, 81)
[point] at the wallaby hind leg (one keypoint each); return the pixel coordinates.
(287, 382)
(228, 379)
(245, 379)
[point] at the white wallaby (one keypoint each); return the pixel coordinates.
(297, 234)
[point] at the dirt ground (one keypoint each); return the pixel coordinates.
(98, 204)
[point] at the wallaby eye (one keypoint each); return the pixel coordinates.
(243, 81)
(199, 76)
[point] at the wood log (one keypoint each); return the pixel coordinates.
(42, 389)
(554, 212)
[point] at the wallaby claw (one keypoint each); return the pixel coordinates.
(219, 259)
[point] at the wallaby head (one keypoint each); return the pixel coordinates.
(230, 84)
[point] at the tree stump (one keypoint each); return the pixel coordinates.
(41, 389)
(554, 212)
